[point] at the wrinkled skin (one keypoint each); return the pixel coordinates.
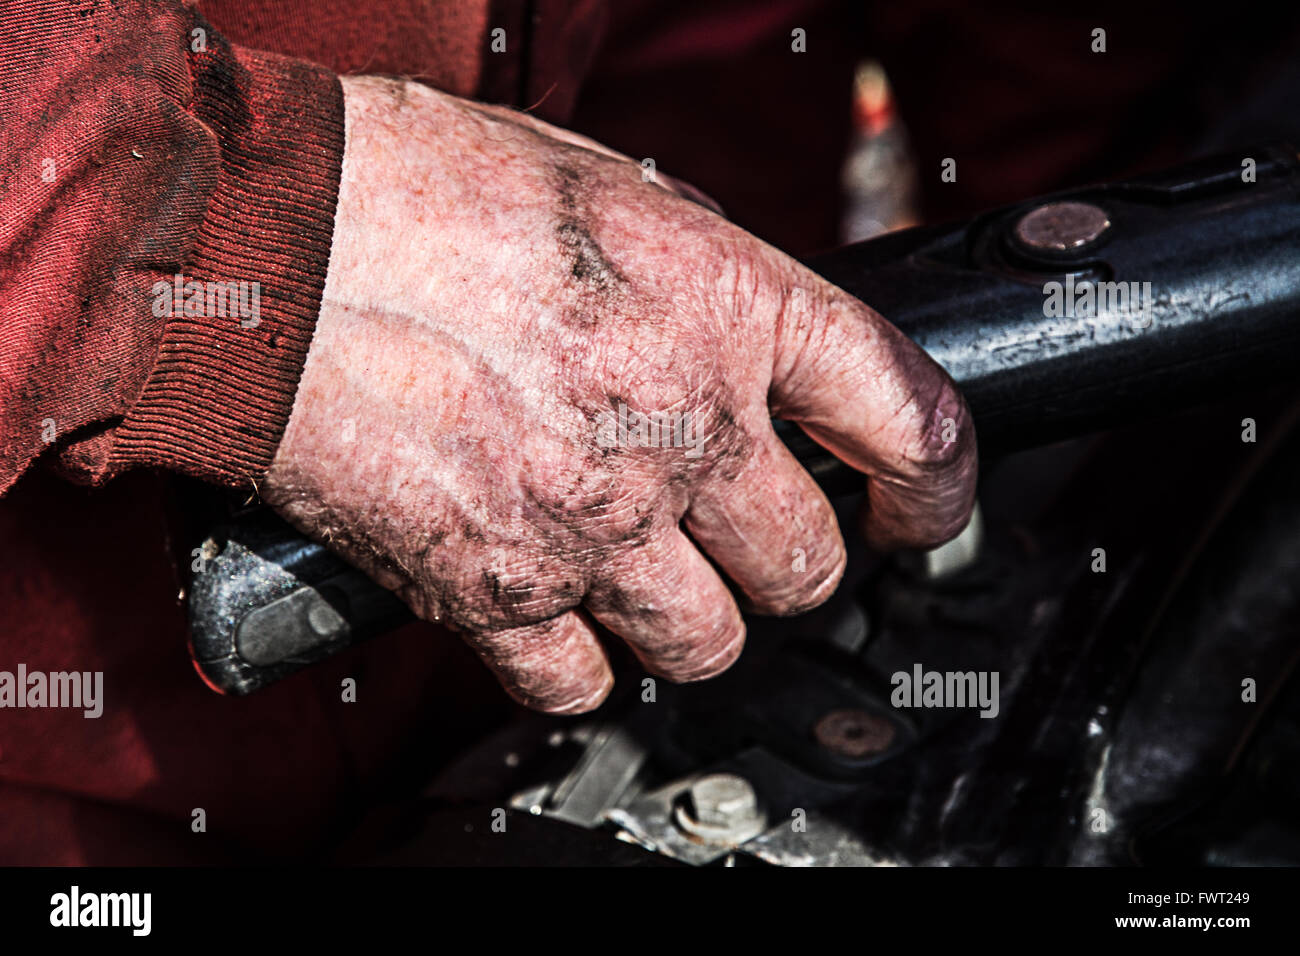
(495, 285)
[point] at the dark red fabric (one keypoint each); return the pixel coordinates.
(220, 164)
(1016, 94)
(141, 145)
(277, 774)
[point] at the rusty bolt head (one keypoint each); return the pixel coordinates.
(849, 732)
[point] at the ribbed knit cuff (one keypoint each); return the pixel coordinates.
(221, 391)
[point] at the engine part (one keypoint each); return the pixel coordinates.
(1148, 712)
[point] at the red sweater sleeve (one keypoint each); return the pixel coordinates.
(138, 146)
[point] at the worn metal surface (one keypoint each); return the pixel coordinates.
(268, 602)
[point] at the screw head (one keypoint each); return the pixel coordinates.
(1061, 226)
(849, 732)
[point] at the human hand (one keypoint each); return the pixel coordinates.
(497, 290)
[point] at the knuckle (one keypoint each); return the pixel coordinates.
(513, 602)
(506, 590)
(590, 511)
(806, 326)
(739, 283)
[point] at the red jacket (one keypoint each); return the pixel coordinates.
(143, 139)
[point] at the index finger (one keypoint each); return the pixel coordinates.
(863, 390)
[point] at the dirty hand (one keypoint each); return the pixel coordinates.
(539, 394)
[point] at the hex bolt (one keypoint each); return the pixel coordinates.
(720, 808)
(720, 799)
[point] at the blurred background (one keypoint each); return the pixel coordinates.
(846, 139)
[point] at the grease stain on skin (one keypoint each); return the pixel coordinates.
(730, 447)
(586, 260)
